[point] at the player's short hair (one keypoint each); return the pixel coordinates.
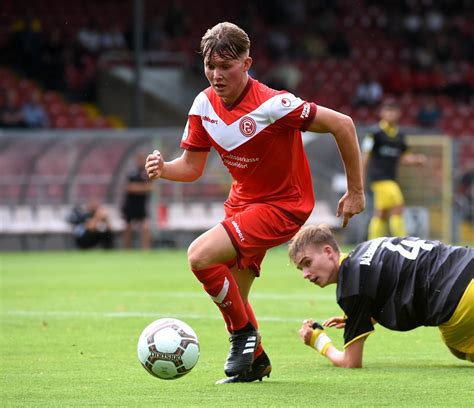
(390, 104)
(315, 235)
(227, 40)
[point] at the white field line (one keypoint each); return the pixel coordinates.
(317, 296)
(156, 315)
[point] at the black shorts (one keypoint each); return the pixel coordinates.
(134, 212)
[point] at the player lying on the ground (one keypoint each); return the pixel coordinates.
(401, 283)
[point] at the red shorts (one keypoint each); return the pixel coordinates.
(254, 229)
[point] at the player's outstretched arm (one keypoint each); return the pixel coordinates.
(343, 129)
(412, 159)
(188, 167)
(314, 335)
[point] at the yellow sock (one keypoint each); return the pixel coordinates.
(377, 228)
(397, 225)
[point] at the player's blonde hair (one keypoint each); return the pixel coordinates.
(311, 235)
(227, 40)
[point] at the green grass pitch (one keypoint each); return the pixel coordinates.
(70, 322)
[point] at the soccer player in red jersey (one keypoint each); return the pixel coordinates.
(257, 132)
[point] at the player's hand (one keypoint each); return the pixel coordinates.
(349, 205)
(313, 335)
(338, 322)
(306, 331)
(420, 159)
(154, 165)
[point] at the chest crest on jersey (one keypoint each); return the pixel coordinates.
(247, 126)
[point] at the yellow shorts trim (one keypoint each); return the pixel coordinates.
(387, 194)
(360, 336)
(458, 331)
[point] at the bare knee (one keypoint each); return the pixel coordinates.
(382, 214)
(398, 210)
(196, 259)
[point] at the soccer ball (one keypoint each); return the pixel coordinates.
(168, 348)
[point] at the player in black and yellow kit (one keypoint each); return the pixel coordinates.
(401, 283)
(383, 149)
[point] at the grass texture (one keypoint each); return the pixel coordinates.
(70, 322)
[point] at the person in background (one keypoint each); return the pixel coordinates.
(429, 113)
(399, 282)
(91, 226)
(11, 114)
(383, 149)
(34, 114)
(135, 206)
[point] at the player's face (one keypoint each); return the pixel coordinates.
(227, 77)
(319, 264)
(390, 114)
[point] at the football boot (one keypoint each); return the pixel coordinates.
(242, 351)
(260, 368)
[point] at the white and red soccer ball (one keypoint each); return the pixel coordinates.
(168, 348)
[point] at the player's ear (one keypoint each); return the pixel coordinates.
(247, 63)
(327, 249)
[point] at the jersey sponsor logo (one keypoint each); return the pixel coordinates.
(285, 102)
(305, 111)
(388, 151)
(247, 126)
(208, 119)
(238, 161)
(239, 232)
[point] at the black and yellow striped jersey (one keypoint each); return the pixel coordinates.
(402, 283)
(385, 144)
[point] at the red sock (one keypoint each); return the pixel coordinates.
(219, 283)
(253, 321)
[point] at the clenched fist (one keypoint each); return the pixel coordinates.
(154, 165)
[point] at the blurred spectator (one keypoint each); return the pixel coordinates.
(34, 113)
(399, 80)
(315, 46)
(278, 43)
(338, 46)
(466, 193)
(175, 23)
(112, 39)
(80, 75)
(28, 43)
(157, 37)
(284, 75)
(434, 20)
(52, 63)
(89, 37)
(91, 226)
(135, 206)
(11, 114)
(429, 113)
(369, 92)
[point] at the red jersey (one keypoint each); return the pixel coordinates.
(259, 141)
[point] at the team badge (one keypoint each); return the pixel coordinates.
(247, 126)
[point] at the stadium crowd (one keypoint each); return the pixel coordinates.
(414, 50)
